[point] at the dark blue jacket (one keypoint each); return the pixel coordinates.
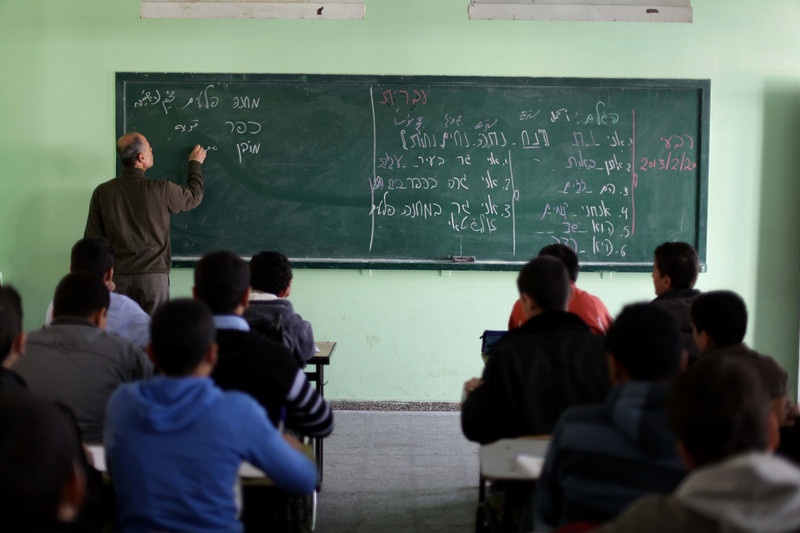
(603, 457)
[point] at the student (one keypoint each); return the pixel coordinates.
(249, 361)
(719, 323)
(537, 371)
(590, 308)
(41, 478)
(125, 317)
(719, 412)
(675, 271)
(271, 282)
(603, 457)
(12, 339)
(174, 443)
(74, 361)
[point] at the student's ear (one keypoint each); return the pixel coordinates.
(245, 303)
(616, 372)
(72, 495)
(212, 354)
(194, 294)
(685, 456)
(667, 282)
(684, 364)
(529, 306)
(774, 433)
(99, 318)
(108, 276)
(286, 292)
(17, 349)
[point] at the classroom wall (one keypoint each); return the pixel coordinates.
(408, 335)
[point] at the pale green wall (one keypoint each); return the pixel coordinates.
(408, 335)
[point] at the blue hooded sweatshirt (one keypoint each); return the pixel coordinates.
(174, 447)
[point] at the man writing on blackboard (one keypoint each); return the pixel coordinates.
(133, 212)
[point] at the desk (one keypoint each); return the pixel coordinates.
(320, 360)
(511, 461)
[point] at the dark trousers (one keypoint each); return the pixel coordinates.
(148, 290)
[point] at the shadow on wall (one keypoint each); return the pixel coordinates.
(775, 317)
(49, 224)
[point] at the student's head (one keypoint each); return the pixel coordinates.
(719, 319)
(644, 345)
(222, 281)
(543, 286)
(12, 338)
(41, 476)
(93, 254)
(675, 267)
(82, 295)
(567, 256)
(134, 151)
(719, 408)
(271, 272)
(181, 337)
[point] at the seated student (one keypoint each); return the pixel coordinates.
(537, 371)
(675, 271)
(249, 361)
(719, 323)
(590, 308)
(41, 476)
(12, 339)
(74, 361)
(719, 412)
(174, 443)
(271, 283)
(603, 457)
(125, 317)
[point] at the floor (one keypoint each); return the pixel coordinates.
(398, 472)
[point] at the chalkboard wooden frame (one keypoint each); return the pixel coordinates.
(701, 121)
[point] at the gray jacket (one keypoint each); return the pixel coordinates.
(752, 493)
(74, 362)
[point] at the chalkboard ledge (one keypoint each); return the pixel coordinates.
(388, 264)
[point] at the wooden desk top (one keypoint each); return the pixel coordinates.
(323, 357)
(513, 459)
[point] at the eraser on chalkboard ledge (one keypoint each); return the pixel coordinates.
(463, 259)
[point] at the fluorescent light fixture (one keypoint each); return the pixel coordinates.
(254, 9)
(583, 10)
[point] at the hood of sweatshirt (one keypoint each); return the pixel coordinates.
(753, 492)
(167, 404)
(639, 410)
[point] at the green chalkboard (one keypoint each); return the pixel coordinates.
(429, 172)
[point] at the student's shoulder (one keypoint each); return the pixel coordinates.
(660, 514)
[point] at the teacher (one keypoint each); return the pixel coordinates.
(133, 212)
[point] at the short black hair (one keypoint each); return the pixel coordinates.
(719, 408)
(270, 272)
(129, 153)
(79, 294)
(92, 254)
(221, 280)
(567, 256)
(39, 454)
(545, 279)
(180, 334)
(645, 340)
(722, 315)
(679, 261)
(10, 319)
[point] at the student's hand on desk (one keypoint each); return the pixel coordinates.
(198, 154)
(471, 385)
(293, 442)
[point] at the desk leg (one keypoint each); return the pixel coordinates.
(320, 390)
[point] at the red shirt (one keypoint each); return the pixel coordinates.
(588, 307)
